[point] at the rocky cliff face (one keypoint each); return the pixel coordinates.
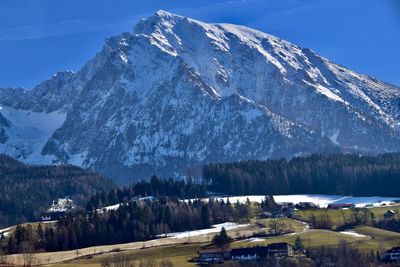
(3, 124)
(177, 92)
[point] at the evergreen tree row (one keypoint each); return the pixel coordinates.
(316, 174)
(155, 187)
(133, 221)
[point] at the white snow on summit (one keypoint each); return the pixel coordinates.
(177, 92)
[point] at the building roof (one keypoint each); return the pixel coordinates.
(62, 205)
(393, 249)
(281, 245)
(390, 212)
(213, 251)
(249, 251)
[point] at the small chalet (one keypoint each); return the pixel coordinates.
(248, 254)
(271, 251)
(279, 212)
(58, 209)
(265, 214)
(274, 250)
(214, 255)
(52, 215)
(306, 205)
(286, 204)
(389, 214)
(280, 250)
(339, 206)
(392, 254)
(140, 198)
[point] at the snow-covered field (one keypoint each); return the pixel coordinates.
(108, 208)
(321, 200)
(116, 206)
(352, 233)
(5, 231)
(214, 229)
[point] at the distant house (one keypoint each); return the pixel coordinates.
(389, 214)
(341, 206)
(278, 212)
(52, 215)
(280, 250)
(214, 255)
(271, 251)
(286, 204)
(274, 250)
(58, 209)
(306, 205)
(392, 254)
(140, 198)
(265, 214)
(251, 253)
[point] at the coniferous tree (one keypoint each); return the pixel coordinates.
(222, 239)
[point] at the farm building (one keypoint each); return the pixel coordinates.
(271, 251)
(341, 206)
(280, 250)
(306, 205)
(392, 254)
(58, 209)
(214, 255)
(251, 253)
(389, 214)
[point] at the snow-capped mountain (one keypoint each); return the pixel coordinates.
(176, 92)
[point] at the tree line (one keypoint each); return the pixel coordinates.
(133, 221)
(156, 186)
(316, 174)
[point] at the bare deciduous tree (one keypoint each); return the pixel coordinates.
(166, 263)
(28, 256)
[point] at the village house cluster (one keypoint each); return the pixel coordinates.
(272, 251)
(58, 209)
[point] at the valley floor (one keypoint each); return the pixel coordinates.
(181, 253)
(180, 248)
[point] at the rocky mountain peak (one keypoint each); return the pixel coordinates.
(177, 92)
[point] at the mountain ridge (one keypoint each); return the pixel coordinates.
(177, 92)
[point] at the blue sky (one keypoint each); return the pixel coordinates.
(38, 38)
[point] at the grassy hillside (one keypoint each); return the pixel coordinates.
(340, 218)
(180, 254)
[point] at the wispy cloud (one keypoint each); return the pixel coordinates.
(211, 12)
(38, 31)
(216, 10)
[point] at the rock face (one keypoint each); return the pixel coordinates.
(177, 93)
(3, 124)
